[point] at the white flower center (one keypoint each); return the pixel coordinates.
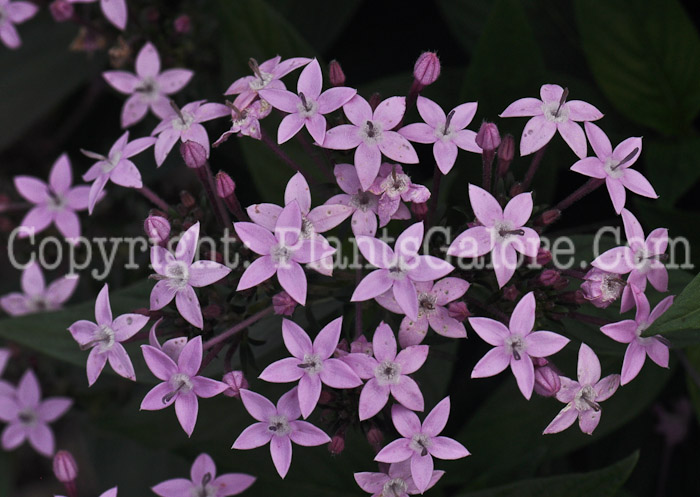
(39, 303)
(56, 202)
(111, 162)
(204, 490)
(585, 399)
(611, 286)
(371, 132)
(398, 270)
(307, 229)
(307, 107)
(261, 81)
(444, 133)
(394, 488)
(395, 184)
(281, 255)
(388, 373)
(104, 338)
(181, 383)
(642, 261)
(178, 274)
(556, 112)
(312, 364)
(503, 230)
(361, 201)
(515, 345)
(183, 121)
(426, 303)
(611, 168)
(278, 425)
(148, 89)
(27, 417)
(421, 443)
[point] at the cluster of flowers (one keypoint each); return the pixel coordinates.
(289, 238)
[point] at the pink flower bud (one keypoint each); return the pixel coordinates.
(487, 137)
(188, 201)
(516, 189)
(194, 154)
(561, 283)
(283, 304)
(337, 445)
(511, 293)
(336, 74)
(225, 186)
(547, 382)
(183, 24)
(549, 277)
(342, 349)
(157, 228)
(61, 10)
(374, 100)
(458, 311)
(64, 467)
(602, 288)
(420, 210)
(375, 437)
(426, 69)
(506, 152)
(362, 346)
(235, 381)
(544, 257)
(549, 216)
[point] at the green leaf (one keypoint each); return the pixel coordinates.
(465, 20)
(682, 320)
(601, 483)
(672, 167)
(638, 53)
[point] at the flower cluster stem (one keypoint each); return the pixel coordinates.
(534, 165)
(154, 198)
(14, 207)
(237, 328)
(588, 187)
(281, 153)
(322, 166)
(437, 177)
(487, 158)
(207, 179)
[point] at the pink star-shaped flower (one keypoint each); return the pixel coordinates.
(115, 11)
(370, 133)
(5, 388)
(185, 125)
(397, 482)
(115, 167)
(445, 131)
(204, 482)
(421, 442)
(387, 373)
(265, 76)
(393, 186)
(178, 275)
(308, 105)
(282, 252)
(181, 383)
(279, 426)
(28, 417)
(36, 296)
(105, 337)
(502, 232)
(515, 345)
(246, 122)
(641, 258)
(614, 166)
(551, 114)
(583, 397)
(311, 364)
(12, 13)
(172, 348)
(630, 331)
(399, 270)
(55, 202)
(148, 88)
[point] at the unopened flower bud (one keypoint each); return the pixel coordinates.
(337, 445)
(488, 137)
(362, 346)
(375, 437)
(602, 288)
(342, 349)
(549, 277)
(420, 210)
(547, 382)
(561, 283)
(64, 467)
(426, 69)
(61, 10)
(506, 152)
(325, 398)
(336, 74)
(458, 311)
(182, 24)
(157, 228)
(235, 381)
(225, 186)
(194, 154)
(549, 216)
(187, 199)
(544, 256)
(283, 304)
(511, 293)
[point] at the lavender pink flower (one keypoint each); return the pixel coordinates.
(246, 122)
(515, 345)
(104, 338)
(311, 363)
(421, 442)
(203, 482)
(396, 482)
(35, 295)
(551, 114)
(172, 347)
(181, 383)
(28, 417)
(149, 88)
(602, 288)
(115, 11)
(12, 13)
(279, 426)
(393, 185)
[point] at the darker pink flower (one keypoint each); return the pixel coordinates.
(12, 13)
(394, 186)
(115, 11)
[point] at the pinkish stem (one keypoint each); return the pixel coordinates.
(238, 328)
(153, 198)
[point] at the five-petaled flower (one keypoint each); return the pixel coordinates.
(421, 442)
(36, 296)
(181, 383)
(396, 482)
(393, 185)
(12, 13)
(105, 337)
(279, 426)
(311, 363)
(115, 11)
(515, 345)
(583, 397)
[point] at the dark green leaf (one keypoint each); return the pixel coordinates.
(465, 19)
(682, 320)
(672, 166)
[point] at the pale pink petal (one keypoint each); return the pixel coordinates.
(658, 352)
(466, 140)
(449, 289)
(445, 154)
(258, 406)
(431, 112)
(316, 126)
(68, 223)
(622, 331)
(256, 238)
(164, 144)
(19, 12)
(159, 397)
(408, 394)
(606, 387)
(398, 148)
(265, 215)
(259, 270)
(137, 146)
(389, 112)
(582, 111)
(368, 159)
(13, 435)
(36, 220)
(486, 208)
(419, 133)
(148, 61)
(334, 98)
(309, 393)
(173, 80)
(551, 93)
(281, 451)
(463, 115)
(290, 126)
(405, 421)
(412, 358)
(233, 483)
(372, 483)
(162, 366)
(42, 439)
(373, 398)
(544, 343)
(588, 420)
(523, 318)
(77, 198)
(384, 343)
(519, 209)
(283, 371)
(474, 242)
(491, 331)
(115, 11)
(635, 182)
(358, 110)
(134, 109)
(374, 284)
(524, 107)
(53, 408)
(569, 389)
(447, 449)
(33, 189)
(590, 166)
(377, 252)
(599, 140)
(327, 339)
(306, 434)
(293, 280)
(190, 358)
(504, 261)
(122, 81)
(588, 370)
(162, 294)
(397, 451)
(296, 339)
(421, 471)
(524, 373)
(188, 307)
(436, 420)
(298, 189)
(494, 362)
(187, 245)
(537, 133)
(326, 217)
(406, 296)
(82, 331)
(337, 374)
(121, 363)
(409, 242)
(574, 136)
(660, 308)
(206, 387)
(346, 176)
(625, 148)
(311, 80)
(343, 137)
(563, 420)
(446, 326)
(9, 35)
(179, 487)
(204, 273)
(186, 409)
(256, 435)
(617, 260)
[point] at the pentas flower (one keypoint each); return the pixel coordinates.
(185, 125)
(282, 252)
(204, 482)
(279, 426)
(393, 186)
(311, 363)
(387, 373)
(445, 131)
(115, 11)
(246, 122)
(178, 275)
(172, 348)
(105, 337)
(602, 288)
(502, 232)
(364, 205)
(433, 299)
(614, 166)
(515, 345)
(181, 384)
(630, 331)
(148, 88)
(308, 105)
(397, 482)
(12, 13)
(36, 296)
(370, 133)
(314, 221)
(583, 397)
(399, 270)
(421, 442)
(115, 167)
(112, 492)
(5, 387)
(641, 258)
(55, 202)
(28, 417)
(265, 76)
(551, 114)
